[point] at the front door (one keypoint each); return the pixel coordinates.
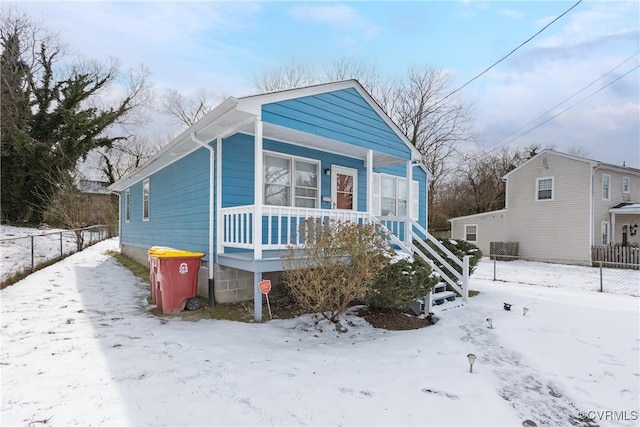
(344, 187)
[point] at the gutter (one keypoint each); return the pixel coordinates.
(212, 157)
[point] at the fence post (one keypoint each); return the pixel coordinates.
(61, 244)
(600, 262)
(465, 277)
(494, 267)
(32, 253)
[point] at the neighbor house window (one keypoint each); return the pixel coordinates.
(626, 184)
(145, 199)
(544, 188)
(471, 233)
(606, 184)
(606, 232)
(290, 181)
(127, 205)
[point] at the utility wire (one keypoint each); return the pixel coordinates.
(499, 143)
(509, 54)
(565, 110)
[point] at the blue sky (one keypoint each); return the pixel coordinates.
(221, 46)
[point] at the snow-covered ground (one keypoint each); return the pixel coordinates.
(79, 347)
(16, 244)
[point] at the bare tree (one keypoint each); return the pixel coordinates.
(291, 75)
(124, 157)
(187, 110)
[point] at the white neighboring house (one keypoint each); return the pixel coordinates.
(559, 206)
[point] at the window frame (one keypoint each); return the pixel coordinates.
(466, 233)
(606, 197)
(146, 199)
(292, 178)
(127, 205)
(605, 238)
(396, 180)
(537, 189)
(626, 185)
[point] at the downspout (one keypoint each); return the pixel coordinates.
(212, 158)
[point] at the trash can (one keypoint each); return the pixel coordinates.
(153, 270)
(176, 278)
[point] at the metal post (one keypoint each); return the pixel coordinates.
(494, 267)
(600, 276)
(32, 254)
(61, 244)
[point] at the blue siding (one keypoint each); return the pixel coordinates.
(178, 207)
(341, 115)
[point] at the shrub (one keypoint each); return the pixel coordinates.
(400, 282)
(459, 248)
(336, 266)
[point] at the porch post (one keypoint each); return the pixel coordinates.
(257, 191)
(369, 166)
(257, 297)
(220, 219)
(408, 234)
(613, 229)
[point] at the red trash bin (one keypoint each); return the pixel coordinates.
(153, 271)
(177, 278)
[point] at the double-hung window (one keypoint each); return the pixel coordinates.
(290, 181)
(145, 200)
(471, 232)
(626, 184)
(544, 188)
(391, 195)
(606, 186)
(606, 232)
(127, 205)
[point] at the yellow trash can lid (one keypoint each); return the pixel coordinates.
(153, 249)
(176, 253)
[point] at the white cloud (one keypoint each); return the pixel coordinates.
(511, 13)
(337, 15)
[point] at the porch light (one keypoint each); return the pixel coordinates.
(472, 359)
(327, 171)
(490, 322)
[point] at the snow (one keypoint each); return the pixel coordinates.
(79, 346)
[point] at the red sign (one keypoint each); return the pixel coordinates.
(265, 286)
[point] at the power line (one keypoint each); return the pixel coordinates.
(499, 143)
(565, 110)
(509, 54)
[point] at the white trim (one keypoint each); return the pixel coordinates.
(219, 219)
(478, 215)
(608, 197)
(369, 171)
(343, 170)
(258, 191)
(604, 224)
(146, 183)
(465, 232)
(553, 190)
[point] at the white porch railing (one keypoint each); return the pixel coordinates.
(280, 230)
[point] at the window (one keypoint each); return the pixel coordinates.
(606, 183)
(606, 232)
(280, 178)
(471, 233)
(127, 205)
(544, 188)
(391, 196)
(626, 184)
(145, 200)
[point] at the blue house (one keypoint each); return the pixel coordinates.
(237, 184)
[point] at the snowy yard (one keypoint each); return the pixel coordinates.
(79, 347)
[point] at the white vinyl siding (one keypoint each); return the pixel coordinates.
(606, 187)
(145, 200)
(544, 188)
(290, 181)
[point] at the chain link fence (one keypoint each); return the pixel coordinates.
(608, 277)
(23, 253)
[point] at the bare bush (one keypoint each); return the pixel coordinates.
(336, 266)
